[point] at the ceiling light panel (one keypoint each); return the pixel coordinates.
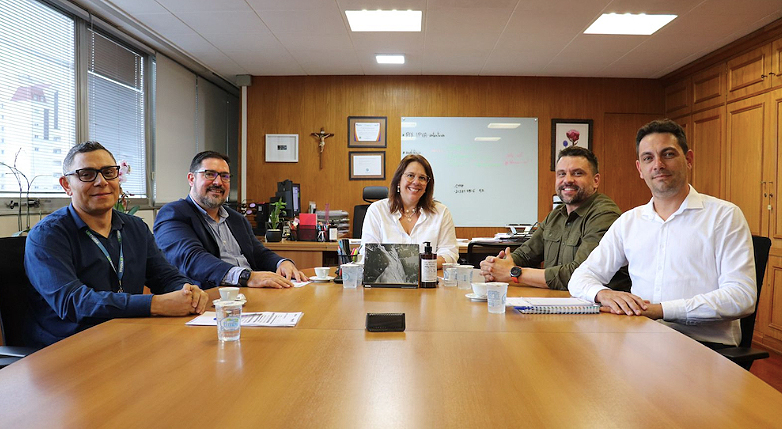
(629, 24)
(384, 20)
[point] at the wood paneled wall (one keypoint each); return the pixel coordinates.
(303, 104)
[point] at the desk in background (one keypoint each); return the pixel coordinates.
(455, 366)
(307, 253)
(314, 253)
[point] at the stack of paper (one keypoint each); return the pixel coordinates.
(263, 318)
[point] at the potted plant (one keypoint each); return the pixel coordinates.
(274, 233)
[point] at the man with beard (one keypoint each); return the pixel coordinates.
(213, 244)
(567, 235)
(689, 255)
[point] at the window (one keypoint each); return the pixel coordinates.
(36, 62)
(115, 80)
(39, 87)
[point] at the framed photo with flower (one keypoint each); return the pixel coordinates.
(569, 132)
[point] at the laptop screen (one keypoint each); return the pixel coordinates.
(391, 265)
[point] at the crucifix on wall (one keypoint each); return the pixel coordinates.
(322, 135)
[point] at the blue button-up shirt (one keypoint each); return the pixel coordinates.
(74, 283)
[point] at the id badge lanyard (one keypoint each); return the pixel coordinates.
(121, 269)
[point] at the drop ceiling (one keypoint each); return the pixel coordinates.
(459, 37)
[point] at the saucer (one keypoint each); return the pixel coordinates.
(321, 279)
(475, 297)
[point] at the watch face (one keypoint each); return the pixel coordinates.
(515, 272)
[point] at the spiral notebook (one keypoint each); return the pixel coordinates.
(553, 305)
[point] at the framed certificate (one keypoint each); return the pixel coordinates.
(367, 131)
(367, 166)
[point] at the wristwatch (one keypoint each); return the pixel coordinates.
(515, 274)
(244, 277)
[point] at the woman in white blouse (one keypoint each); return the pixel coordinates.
(410, 215)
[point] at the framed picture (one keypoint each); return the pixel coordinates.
(569, 132)
(367, 131)
(282, 148)
(367, 165)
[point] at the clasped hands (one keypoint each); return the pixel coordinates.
(497, 268)
(188, 300)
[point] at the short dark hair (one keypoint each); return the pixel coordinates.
(201, 156)
(662, 126)
(582, 152)
(426, 202)
(88, 146)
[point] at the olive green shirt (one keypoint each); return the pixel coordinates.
(562, 242)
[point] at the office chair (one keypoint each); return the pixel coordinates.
(371, 194)
(744, 354)
(14, 287)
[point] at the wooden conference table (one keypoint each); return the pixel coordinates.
(455, 366)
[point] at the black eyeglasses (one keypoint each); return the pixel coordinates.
(411, 177)
(109, 172)
(212, 175)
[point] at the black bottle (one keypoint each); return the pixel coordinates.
(427, 271)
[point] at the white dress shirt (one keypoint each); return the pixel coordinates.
(382, 226)
(699, 264)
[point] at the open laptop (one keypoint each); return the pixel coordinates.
(391, 265)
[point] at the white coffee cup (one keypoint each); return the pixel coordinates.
(229, 293)
(322, 272)
(479, 289)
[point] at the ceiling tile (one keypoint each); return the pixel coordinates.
(139, 6)
(225, 22)
(239, 42)
(311, 41)
(315, 22)
(321, 62)
(272, 61)
(387, 42)
(164, 23)
(203, 5)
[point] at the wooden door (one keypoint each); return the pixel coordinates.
(678, 98)
(706, 139)
(708, 88)
(773, 161)
(745, 138)
(776, 63)
(768, 320)
(619, 178)
(749, 74)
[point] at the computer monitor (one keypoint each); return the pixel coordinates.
(290, 193)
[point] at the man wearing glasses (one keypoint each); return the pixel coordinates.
(89, 263)
(212, 243)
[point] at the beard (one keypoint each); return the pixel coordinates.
(210, 201)
(575, 199)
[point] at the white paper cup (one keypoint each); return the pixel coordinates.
(229, 320)
(229, 293)
(496, 294)
(351, 275)
(464, 276)
(450, 274)
(322, 272)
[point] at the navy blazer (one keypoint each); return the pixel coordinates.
(186, 240)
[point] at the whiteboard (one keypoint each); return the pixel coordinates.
(485, 174)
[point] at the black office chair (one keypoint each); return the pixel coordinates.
(477, 251)
(14, 287)
(371, 194)
(744, 354)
